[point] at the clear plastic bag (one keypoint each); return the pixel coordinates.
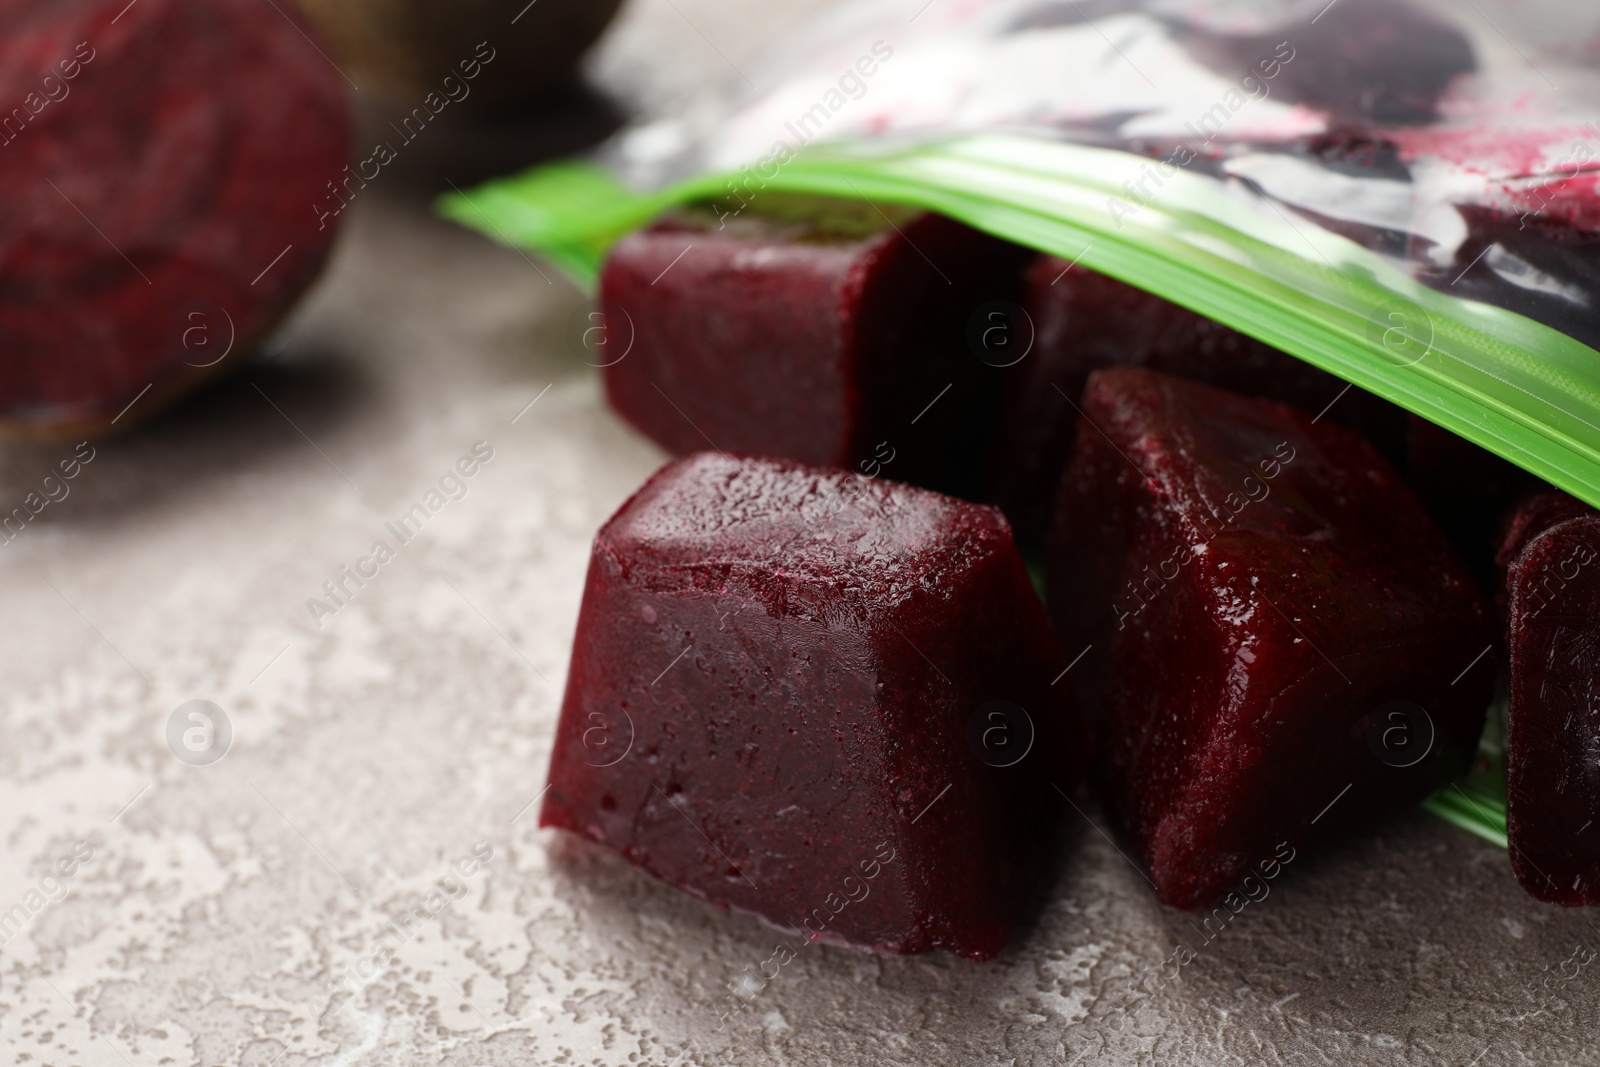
(1397, 192)
(1406, 194)
(1423, 135)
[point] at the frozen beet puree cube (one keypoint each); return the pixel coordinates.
(819, 330)
(784, 695)
(1272, 618)
(1551, 556)
(1084, 321)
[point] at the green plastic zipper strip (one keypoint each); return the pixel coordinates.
(1474, 812)
(1514, 386)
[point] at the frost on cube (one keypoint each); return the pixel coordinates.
(1551, 555)
(1284, 646)
(783, 699)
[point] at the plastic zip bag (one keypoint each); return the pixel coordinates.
(1399, 193)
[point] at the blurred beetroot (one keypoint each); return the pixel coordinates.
(514, 51)
(162, 162)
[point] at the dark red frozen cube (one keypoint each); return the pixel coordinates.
(1551, 556)
(818, 698)
(1082, 322)
(824, 331)
(1467, 489)
(1282, 645)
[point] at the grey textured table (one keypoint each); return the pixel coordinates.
(236, 913)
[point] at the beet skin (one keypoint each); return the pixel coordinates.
(160, 167)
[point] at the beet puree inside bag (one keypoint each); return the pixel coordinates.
(1400, 193)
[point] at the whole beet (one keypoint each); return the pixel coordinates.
(160, 166)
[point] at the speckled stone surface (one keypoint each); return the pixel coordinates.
(225, 907)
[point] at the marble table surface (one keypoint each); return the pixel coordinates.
(360, 880)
